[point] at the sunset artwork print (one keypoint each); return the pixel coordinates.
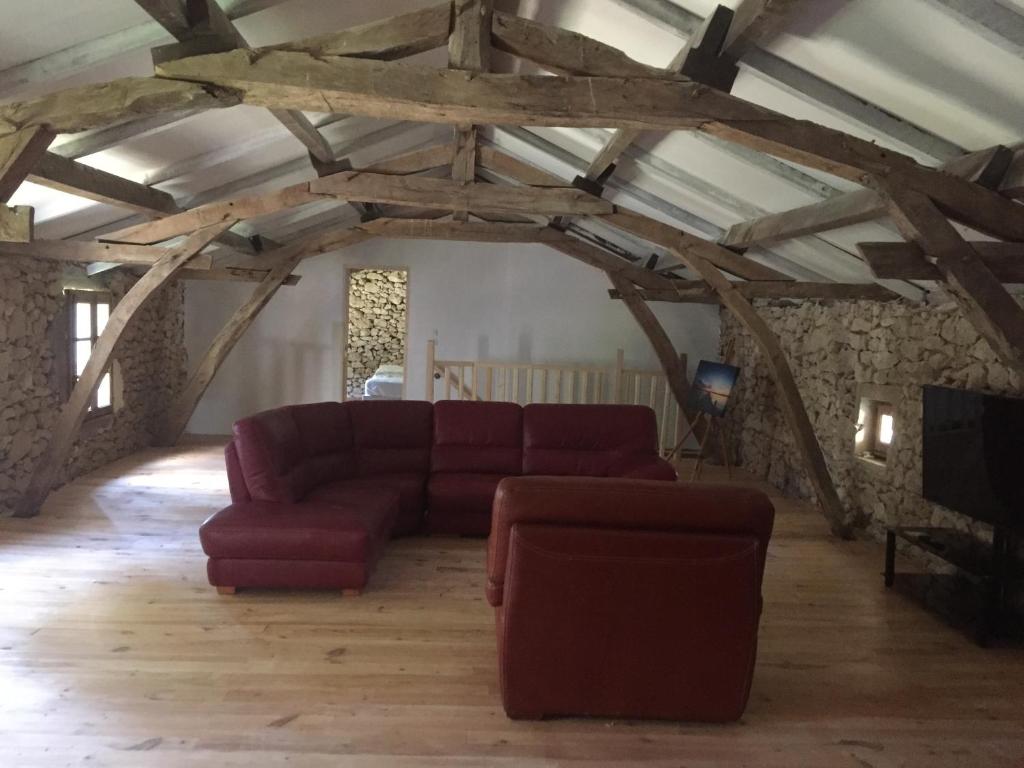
(712, 387)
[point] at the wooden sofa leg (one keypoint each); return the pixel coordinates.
(225, 590)
(351, 592)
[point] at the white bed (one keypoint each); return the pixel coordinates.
(385, 384)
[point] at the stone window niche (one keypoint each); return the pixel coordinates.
(87, 313)
(876, 427)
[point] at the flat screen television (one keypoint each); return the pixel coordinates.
(974, 454)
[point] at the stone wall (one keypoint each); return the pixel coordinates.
(839, 351)
(150, 369)
(377, 305)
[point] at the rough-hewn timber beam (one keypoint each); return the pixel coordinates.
(204, 24)
(388, 90)
(473, 231)
(614, 266)
(386, 39)
(981, 297)
(860, 206)
(469, 49)
(76, 178)
(690, 251)
(696, 291)
(906, 261)
(758, 21)
(83, 251)
(51, 463)
(671, 363)
(20, 152)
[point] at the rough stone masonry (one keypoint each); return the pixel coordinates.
(150, 370)
(835, 348)
(377, 305)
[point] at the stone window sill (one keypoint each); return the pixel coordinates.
(876, 464)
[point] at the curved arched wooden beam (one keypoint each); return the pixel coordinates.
(689, 250)
(185, 404)
(51, 462)
(666, 352)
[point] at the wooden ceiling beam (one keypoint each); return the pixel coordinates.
(76, 178)
(388, 39)
(447, 195)
(86, 252)
(758, 21)
(698, 291)
(997, 317)
(20, 152)
(906, 261)
(17, 223)
(469, 49)
(863, 205)
(469, 231)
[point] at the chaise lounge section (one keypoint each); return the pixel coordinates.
(318, 489)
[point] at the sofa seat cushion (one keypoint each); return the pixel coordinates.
(353, 530)
(410, 488)
(461, 503)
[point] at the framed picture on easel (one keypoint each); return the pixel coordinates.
(708, 399)
(712, 388)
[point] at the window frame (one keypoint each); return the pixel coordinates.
(878, 448)
(75, 296)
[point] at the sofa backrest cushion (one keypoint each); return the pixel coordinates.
(328, 445)
(591, 440)
(618, 504)
(286, 452)
(479, 437)
(269, 449)
(236, 479)
(392, 435)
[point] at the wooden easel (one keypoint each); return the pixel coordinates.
(711, 424)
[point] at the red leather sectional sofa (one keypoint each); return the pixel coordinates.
(318, 489)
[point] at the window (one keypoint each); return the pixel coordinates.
(88, 312)
(876, 429)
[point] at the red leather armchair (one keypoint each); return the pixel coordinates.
(626, 598)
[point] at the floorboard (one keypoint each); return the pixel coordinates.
(112, 644)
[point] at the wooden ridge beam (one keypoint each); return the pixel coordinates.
(906, 261)
(691, 251)
(862, 205)
(698, 291)
(997, 317)
(51, 463)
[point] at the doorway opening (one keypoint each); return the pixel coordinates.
(374, 359)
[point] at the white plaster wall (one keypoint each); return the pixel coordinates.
(479, 300)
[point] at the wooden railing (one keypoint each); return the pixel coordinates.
(526, 383)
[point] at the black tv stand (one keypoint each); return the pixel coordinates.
(990, 567)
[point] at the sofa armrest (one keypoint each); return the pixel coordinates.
(621, 503)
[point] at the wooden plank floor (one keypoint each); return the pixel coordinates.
(115, 652)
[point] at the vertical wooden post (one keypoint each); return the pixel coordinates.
(52, 461)
(431, 357)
